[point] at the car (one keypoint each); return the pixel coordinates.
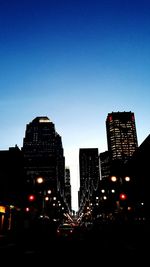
(65, 231)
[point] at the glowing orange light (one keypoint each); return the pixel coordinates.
(113, 178)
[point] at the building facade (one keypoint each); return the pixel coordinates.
(121, 137)
(89, 174)
(104, 159)
(68, 188)
(43, 155)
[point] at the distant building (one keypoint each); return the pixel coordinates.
(68, 188)
(89, 174)
(104, 158)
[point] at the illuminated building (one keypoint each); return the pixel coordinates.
(121, 137)
(104, 165)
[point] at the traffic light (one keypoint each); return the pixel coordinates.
(31, 198)
(123, 196)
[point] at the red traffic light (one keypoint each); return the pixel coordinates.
(123, 196)
(31, 197)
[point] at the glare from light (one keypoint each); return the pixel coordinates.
(39, 180)
(113, 178)
(127, 178)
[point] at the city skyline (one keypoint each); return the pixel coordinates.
(73, 63)
(74, 195)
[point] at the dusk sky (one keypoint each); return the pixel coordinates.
(74, 61)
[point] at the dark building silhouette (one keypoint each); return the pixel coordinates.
(68, 188)
(12, 186)
(89, 175)
(121, 138)
(11, 175)
(138, 169)
(43, 155)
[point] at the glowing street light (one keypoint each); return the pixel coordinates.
(113, 178)
(45, 197)
(127, 179)
(40, 180)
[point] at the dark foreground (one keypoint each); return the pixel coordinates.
(102, 244)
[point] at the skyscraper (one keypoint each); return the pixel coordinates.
(68, 188)
(89, 173)
(43, 154)
(104, 165)
(121, 135)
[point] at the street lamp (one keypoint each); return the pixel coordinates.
(121, 186)
(127, 179)
(45, 198)
(113, 178)
(40, 181)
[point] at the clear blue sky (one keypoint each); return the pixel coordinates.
(73, 61)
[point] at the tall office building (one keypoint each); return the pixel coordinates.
(43, 154)
(104, 165)
(68, 188)
(89, 173)
(121, 136)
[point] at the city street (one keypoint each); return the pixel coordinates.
(106, 243)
